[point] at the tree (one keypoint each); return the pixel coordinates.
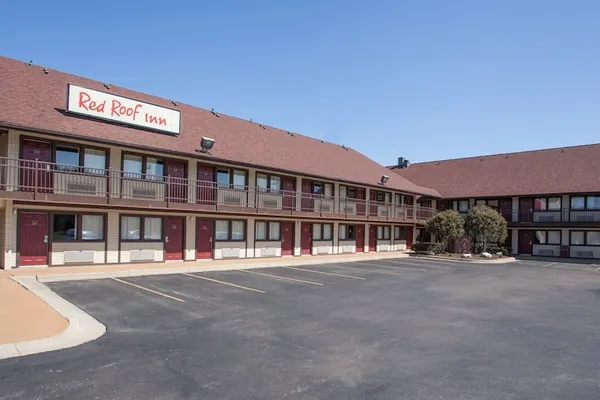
(486, 226)
(446, 225)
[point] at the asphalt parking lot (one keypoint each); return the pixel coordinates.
(393, 329)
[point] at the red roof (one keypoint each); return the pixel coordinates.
(550, 171)
(32, 99)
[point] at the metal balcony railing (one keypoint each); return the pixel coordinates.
(564, 215)
(37, 180)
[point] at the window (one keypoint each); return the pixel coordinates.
(267, 230)
(398, 199)
(275, 184)
(593, 202)
(585, 203)
(380, 197)
(493, 203)
(223, 177)
(152, 228)
(67, 157)
(230, 230)
(463, 206)
(92, 227)
(222, 230)
(237, 230)
(352, 193)
(327, 232)
(480, 202)
(328, 190)
(317, 231)
(239, 179)
(132, 166)
(386, 233)
(64, 227)
(343, 192)
(387, 198)
(132, 226)
(343, 231)
(547, 203)
(155, 169)
(380, 233)
(547, 237)
(322, 232)
(94, 161)
(399, 233)
(577, 238)
(317, 188)
(577, 203)
(592, 238)
(262, 182)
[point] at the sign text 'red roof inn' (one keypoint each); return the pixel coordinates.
(94, 103)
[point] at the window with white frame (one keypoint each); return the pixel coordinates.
(463, 206)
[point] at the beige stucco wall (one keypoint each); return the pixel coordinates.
(347, 246)
(95, 251)
(320, 247)
(230, 250)
(384, 245)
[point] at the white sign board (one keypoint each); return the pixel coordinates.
(94, 103)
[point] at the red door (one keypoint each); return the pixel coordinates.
(505, 206)
(372, 238)
(287, 239)
(204, 229)
(306, 238)
(526, 209)
(33, 239)
(360, 205)
(289, 195)
(526, 242)
(177, 182)
(30, 178)
(373, 206)
(206, 185)
(173, 238)
(360, 238)
(307, 203)
(409, 237)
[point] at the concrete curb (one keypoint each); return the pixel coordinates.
(207, 268)
(82, 326)
(504, 260)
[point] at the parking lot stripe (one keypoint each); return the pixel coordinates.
(549, 265)
(326, 273)
(225, 283)
(368, 269)
(418, 264)
(389, 266)
(149, 290)
(285, 278)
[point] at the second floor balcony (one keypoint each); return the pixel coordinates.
(51, 182)
(563, 215)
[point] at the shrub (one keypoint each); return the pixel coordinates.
(486, 226)
(424, 247)
(446, 226)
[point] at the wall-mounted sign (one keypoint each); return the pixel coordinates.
(94, 103)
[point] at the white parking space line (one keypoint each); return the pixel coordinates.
(283, 278)
(326, 273)
(549, 265)
(417, 264)
(224, 283)
(392, 267)
(149, 290)
(366, 269)
(437, 260)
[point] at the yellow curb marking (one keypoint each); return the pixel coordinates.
(281, 277)
(367, 270)
(326, 273)
(149, 290)
(225, 283)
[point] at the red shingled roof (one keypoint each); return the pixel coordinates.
(36, 100)
(549, 171)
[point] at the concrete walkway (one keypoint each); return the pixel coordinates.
(24, 316)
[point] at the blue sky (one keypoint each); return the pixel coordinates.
(421, 79)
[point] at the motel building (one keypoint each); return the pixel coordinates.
(550, 198)
(91, 173)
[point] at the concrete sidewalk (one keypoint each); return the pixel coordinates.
(24, 315)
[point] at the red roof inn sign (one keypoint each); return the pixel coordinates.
(93, 103)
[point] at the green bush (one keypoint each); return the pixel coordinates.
(424, 247)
